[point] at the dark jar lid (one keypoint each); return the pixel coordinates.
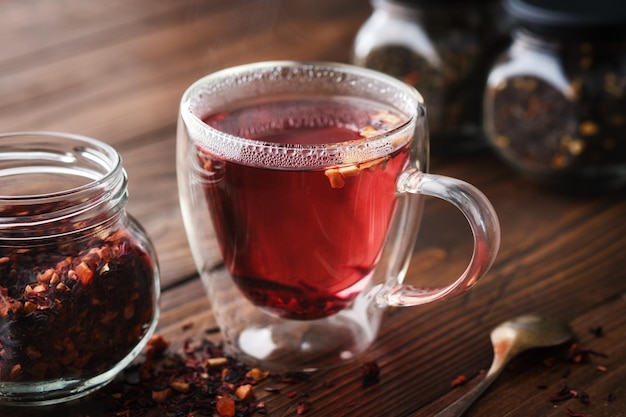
(570, 18)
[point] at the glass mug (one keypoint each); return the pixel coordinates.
(301, 188)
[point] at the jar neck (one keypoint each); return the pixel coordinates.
(525, 39)
(54, 184)
(397, 8)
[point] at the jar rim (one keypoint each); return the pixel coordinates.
(95, 150)
(86, 173)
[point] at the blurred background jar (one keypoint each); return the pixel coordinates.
(79, 281)
(445, 49)
(555, 103)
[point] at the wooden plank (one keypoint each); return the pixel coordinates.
(116, 71)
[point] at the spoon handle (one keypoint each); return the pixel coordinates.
(457, 408)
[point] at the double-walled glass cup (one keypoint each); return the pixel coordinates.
(301, 187)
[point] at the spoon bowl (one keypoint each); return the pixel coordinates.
(510, 339)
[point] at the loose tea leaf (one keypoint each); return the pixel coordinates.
(72, 309)
(199, 379)
(581, 354)
(597, 331)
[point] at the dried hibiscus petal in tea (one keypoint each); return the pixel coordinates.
(73, 307)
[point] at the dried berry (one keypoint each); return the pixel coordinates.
(303, 407)
(162, 395)
(257, 374)
(370, 373)
(245, 392)
(458, 381)
(225, 406)
(260, 408)
(180, 386)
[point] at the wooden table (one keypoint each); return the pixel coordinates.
(115, 70)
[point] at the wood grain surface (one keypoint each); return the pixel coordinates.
(115, 70)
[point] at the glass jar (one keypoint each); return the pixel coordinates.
(555, 103)
(445, 49)
(79, 281)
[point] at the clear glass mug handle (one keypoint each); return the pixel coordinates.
(483, 222)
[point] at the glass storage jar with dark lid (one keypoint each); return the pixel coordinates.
(79, 281)
(445, 49)
(555, 102)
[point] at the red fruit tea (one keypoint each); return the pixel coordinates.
(301, 239)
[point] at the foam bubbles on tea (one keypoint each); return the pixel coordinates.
(320, 125)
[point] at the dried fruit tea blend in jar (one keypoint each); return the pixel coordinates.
(555, 104)
(79, 282)
(445, 49)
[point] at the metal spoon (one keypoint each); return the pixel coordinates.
(509, 339)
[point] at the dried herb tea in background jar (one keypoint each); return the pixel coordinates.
(79, 281)
(445, 49)
(555, 104)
